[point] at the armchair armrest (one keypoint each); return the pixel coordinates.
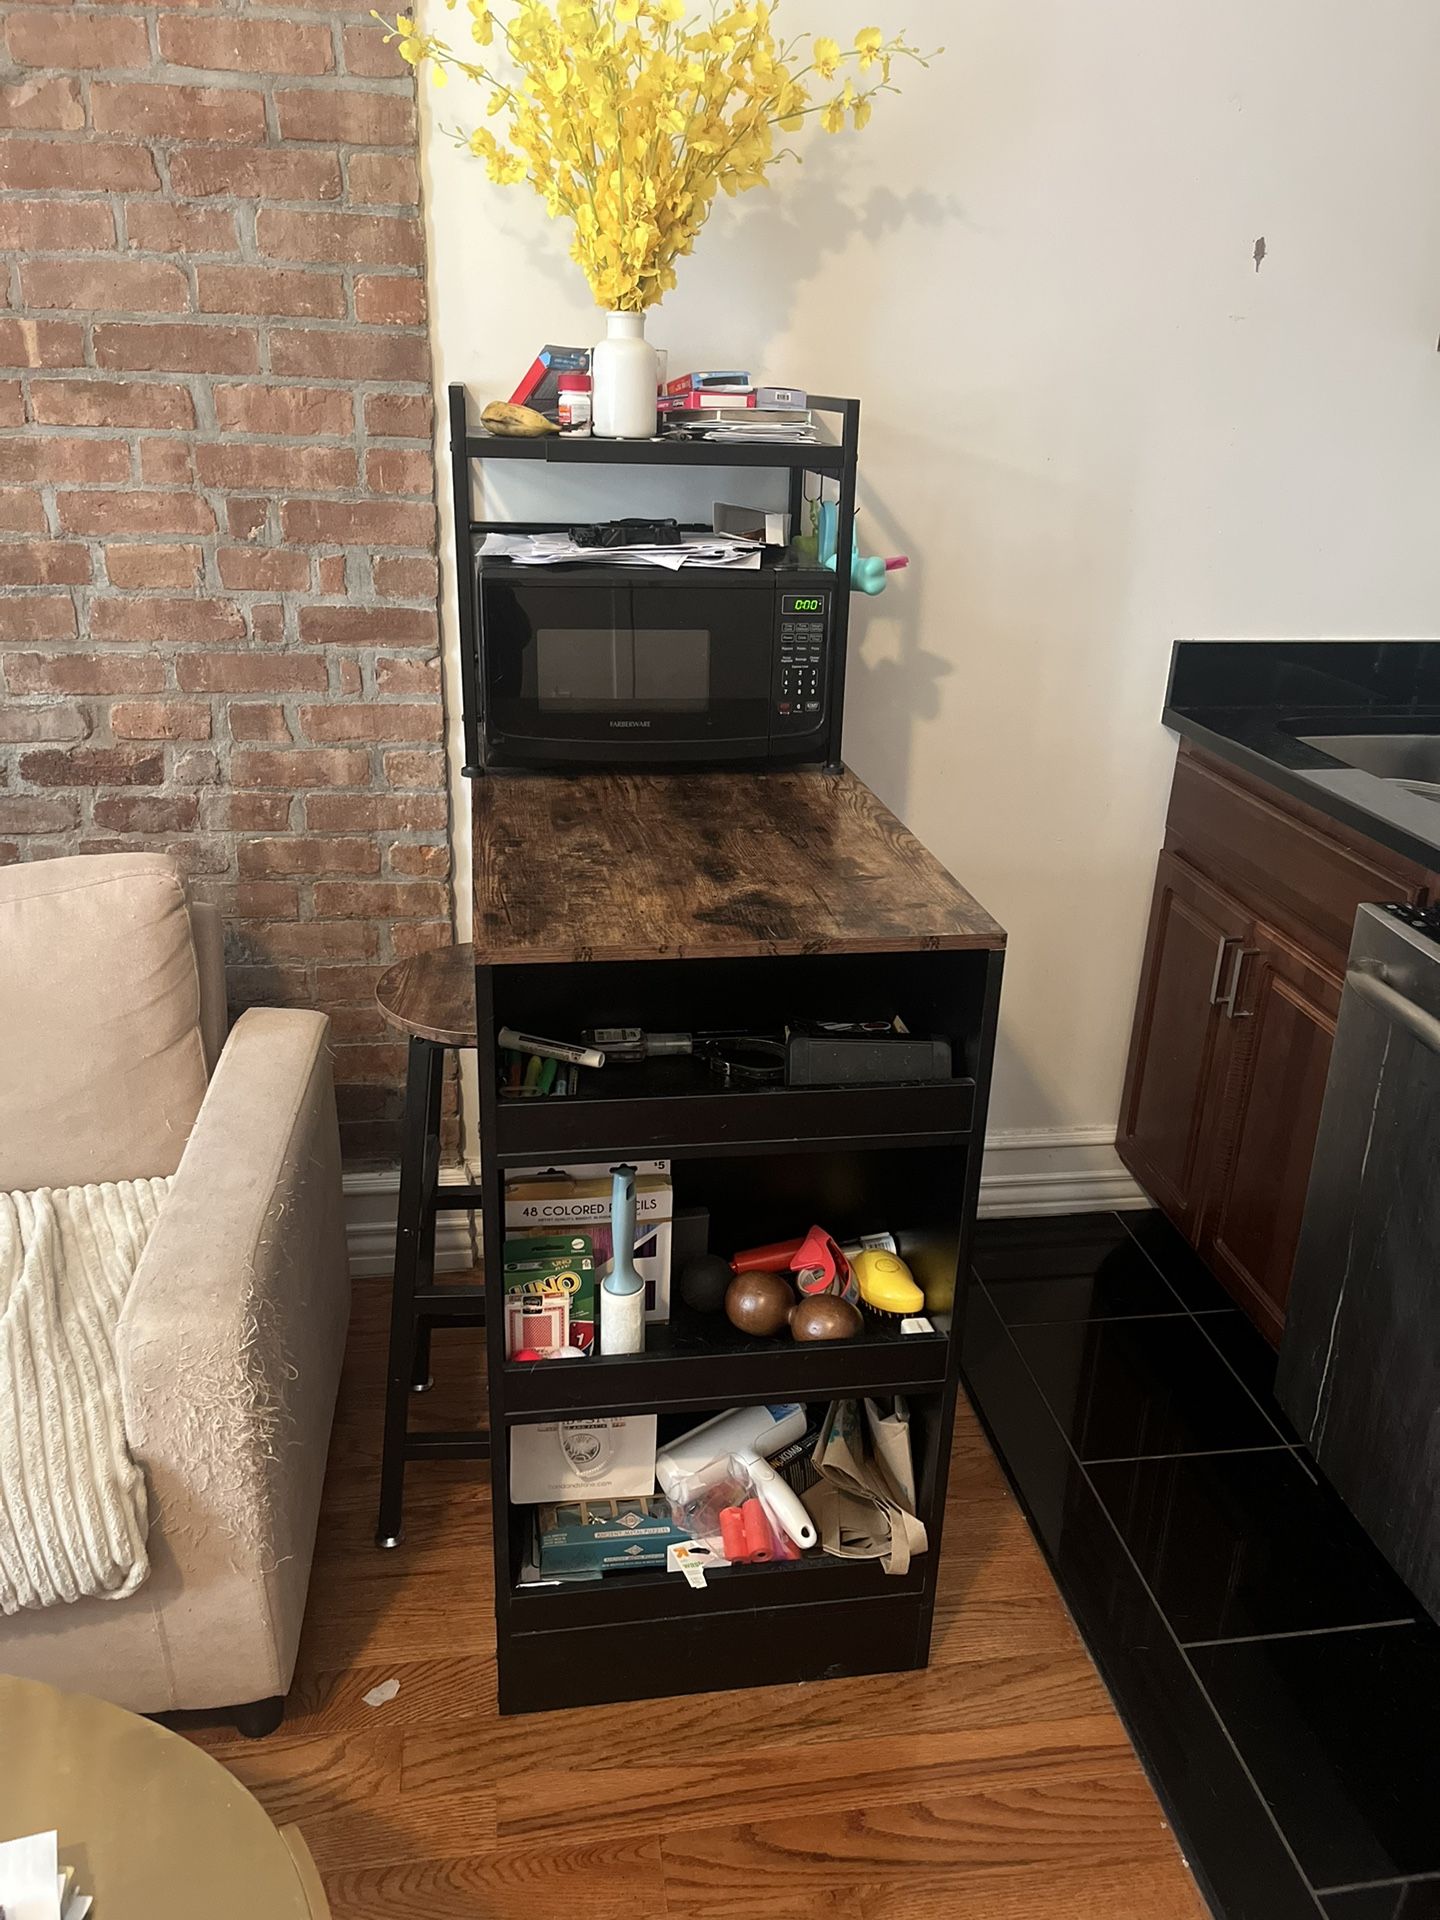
(230, 1347)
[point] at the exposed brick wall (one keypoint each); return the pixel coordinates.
(218, 629)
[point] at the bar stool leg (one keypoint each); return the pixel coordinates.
(420, 1376)
(423, 1082)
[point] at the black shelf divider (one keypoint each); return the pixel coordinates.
(688, 1112)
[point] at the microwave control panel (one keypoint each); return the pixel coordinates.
(802, 660)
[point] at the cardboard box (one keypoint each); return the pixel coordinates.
(610, 1458)
(549, 1287)
(576, 1199)
(584, 1536)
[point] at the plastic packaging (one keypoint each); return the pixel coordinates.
(720, 1505)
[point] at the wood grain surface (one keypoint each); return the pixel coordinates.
(432, 995)
(999, 1785)
(625, 866)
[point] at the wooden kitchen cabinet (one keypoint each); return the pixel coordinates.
(1239, 994)
(1171, 1085)
(1282, 1027)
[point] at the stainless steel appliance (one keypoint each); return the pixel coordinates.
(1360, 1358)
(634, 666)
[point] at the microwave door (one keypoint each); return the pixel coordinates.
(702, 655)
(557, 660)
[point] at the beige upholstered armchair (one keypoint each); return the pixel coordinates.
(115, 1065)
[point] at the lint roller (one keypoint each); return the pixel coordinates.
(750, 1433)
(622, 1291)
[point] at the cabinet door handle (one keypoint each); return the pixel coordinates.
(1226, 942)
(1228, 999)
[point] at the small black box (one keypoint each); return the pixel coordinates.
(816, 1058)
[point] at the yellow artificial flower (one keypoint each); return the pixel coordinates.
(631, 119)
(868, 42)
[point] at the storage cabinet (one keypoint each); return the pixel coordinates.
(729, 903)
(1272, 1088)
(1197, 938)
(1239, 994)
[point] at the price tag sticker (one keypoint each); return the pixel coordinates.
(692, 1558)
(918, 1325)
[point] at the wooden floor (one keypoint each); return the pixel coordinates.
(998, 1784)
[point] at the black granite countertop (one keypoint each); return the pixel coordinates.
(1250, 701)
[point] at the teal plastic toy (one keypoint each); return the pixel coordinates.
(867, 572)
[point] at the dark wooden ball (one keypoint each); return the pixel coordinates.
(759, 1303)
(703, 1282)
(824, 1316)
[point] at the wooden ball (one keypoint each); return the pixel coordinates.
(824, 1316)
(704, 1281)
(759, 1303)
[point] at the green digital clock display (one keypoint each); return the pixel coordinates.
(800, 604)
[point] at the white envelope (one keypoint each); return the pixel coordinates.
(588, 1459)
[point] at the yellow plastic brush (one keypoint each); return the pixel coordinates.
(887, 1286)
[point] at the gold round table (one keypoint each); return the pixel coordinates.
(155, 1829)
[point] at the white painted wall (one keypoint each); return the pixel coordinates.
(1096, 426)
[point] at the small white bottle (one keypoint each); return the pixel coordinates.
(573, 406)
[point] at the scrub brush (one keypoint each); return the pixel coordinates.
(887, 1287)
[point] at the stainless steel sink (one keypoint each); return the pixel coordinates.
(1413, 759)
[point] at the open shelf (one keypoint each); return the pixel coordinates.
(618, 1597)
(664, 451)
(677, 1105)
(700, 1360)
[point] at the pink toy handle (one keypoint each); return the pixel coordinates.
(896, 562)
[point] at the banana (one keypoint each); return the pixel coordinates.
(516, 423)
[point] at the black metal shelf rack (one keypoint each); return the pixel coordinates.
(838, 461)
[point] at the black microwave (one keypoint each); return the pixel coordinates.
(639, 666)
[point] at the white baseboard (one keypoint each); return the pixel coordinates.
(1055, 1170)
(370, 1202)
(1027, 1171)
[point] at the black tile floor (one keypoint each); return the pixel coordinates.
(1281, 1684)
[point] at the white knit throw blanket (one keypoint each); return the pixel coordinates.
(73, 1516)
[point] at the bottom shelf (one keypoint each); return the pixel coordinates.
(652, 1595)
(832, 1621)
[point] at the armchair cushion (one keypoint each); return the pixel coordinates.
(102, 1059)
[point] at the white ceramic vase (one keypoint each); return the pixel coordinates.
(624, 374)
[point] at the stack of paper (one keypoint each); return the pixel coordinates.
(32, 1887)
(735, 431)
(558, 549)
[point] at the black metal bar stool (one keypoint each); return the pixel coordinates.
(432, 999)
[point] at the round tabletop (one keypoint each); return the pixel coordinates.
(155, 1829)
